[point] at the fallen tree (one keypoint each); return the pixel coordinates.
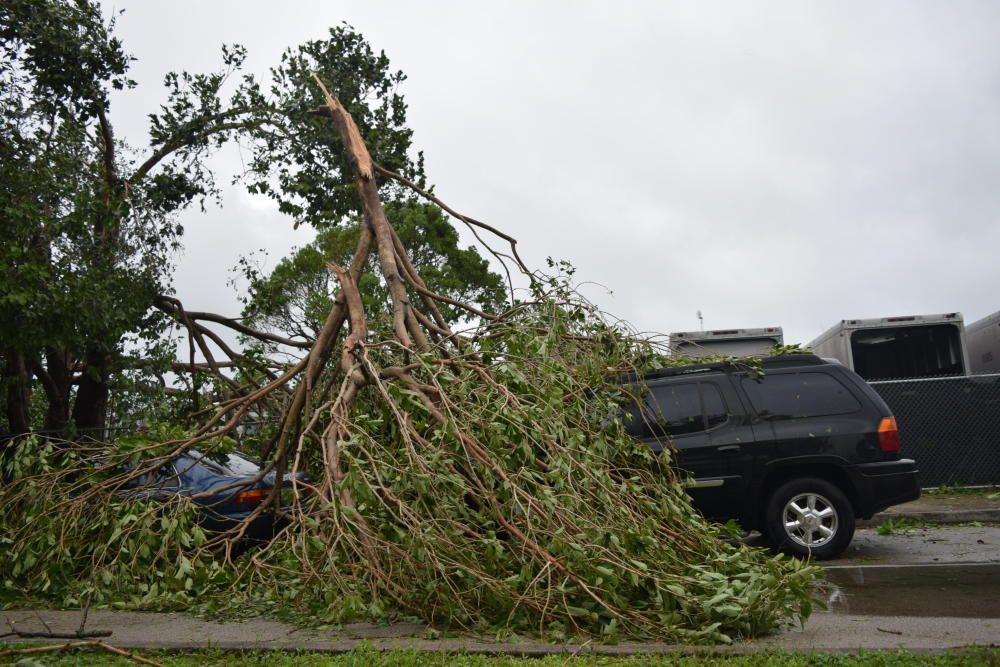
(477, 478)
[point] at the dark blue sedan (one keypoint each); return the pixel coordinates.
(225, 487)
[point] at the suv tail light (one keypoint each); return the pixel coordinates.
(888, 436)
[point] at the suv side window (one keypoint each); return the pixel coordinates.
(675, 409)
(796, 395)
(715, 408)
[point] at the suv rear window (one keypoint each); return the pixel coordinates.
(796, 395)
(715, 408)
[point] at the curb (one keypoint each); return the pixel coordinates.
(939, 516)
(840, 632)
(531, 651)
(930, 574)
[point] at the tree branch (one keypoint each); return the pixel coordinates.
(110, 176)
(176, 142)
(172, 307)
(33, 650)
(471, 222)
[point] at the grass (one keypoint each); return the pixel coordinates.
(894, 526)
(904, 525)
(987, 492)
(365, 657)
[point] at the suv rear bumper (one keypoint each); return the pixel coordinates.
(884, 484)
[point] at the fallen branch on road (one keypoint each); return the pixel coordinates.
(55, 648)
(80, 633)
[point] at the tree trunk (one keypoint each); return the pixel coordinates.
(17, 382)
(56, 378)
(91, 407)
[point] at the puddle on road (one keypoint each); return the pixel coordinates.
(969, 590)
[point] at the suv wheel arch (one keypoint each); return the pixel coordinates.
(809, 517)
(779, 476)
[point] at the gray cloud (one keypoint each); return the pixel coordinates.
(767, 163)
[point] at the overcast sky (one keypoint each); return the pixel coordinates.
(787, 164)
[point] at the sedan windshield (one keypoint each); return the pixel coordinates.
(196, 465)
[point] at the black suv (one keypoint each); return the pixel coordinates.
(798, 453)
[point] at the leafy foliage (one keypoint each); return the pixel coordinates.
(67, 50)
(68, 534)
(301, 164)
(562, 525)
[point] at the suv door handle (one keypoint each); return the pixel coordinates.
(728, 448)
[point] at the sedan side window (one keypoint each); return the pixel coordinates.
(164, 477)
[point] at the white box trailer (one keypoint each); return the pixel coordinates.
(983, 338)
(890, 348)
(729, 342)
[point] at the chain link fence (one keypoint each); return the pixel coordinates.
(951, 426)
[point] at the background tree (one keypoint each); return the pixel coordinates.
(59, 62)
(297, 161)
(90, 225)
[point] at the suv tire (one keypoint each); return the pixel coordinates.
(809, 517)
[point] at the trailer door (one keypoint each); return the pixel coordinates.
(893, 353)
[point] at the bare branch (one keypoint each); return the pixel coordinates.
(48, 633)
(72, 646)
(471, 222)
(374, 215)
(172, 307)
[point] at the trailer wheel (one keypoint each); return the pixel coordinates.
(809, 518)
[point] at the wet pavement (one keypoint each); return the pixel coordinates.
(932, 571)
(947, 508)
(949, 571)
(940, 544)
(969, 590)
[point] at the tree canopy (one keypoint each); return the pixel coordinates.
(91, 225)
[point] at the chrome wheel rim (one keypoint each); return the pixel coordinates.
(810, 520)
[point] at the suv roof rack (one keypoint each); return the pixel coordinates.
(780, 361)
